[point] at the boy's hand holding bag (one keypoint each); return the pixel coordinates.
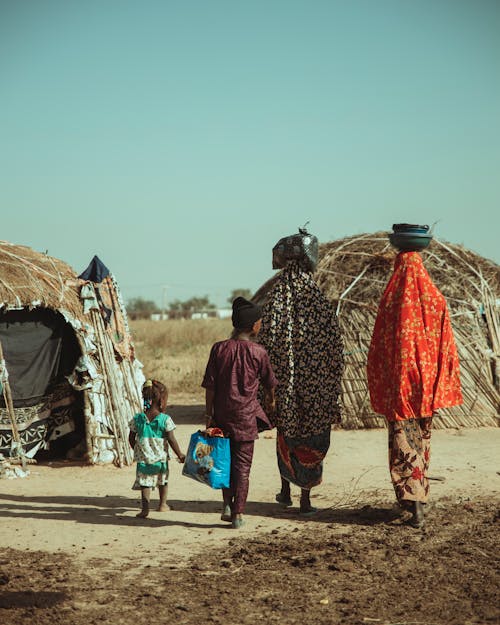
(208, 459)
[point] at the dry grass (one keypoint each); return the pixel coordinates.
(176, 352)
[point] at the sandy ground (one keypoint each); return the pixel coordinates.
(88, 511)
(66, 516)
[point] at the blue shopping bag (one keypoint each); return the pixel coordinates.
(208, 460)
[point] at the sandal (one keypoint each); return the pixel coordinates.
(226, 514)
(417, 519)
(237, 523)
(283, 501)
(309, 512)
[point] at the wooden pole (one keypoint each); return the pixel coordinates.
(109, 363)
(124, 407)
(7, 394)
(131, 396)
(136, 391)
(96, 317)
(123, 412)
(89, 426)
(87, 410)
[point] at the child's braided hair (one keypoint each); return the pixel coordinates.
(154, 392)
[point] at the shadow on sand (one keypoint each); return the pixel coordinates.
(30, 599)
(188, 415)
(115, 510)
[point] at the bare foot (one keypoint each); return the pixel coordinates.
(164, 507)
(143, 514)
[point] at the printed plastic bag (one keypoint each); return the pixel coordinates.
(208, 460)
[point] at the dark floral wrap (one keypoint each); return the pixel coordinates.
(301, 334)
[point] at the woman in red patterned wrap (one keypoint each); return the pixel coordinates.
(413, 371)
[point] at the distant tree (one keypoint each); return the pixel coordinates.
(246, 293)
(184, 309)
(139, 308)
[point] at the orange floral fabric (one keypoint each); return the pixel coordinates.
(413, 367)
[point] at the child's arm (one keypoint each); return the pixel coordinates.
(131, 439)
(269, 401)
(209, 384)
(175, 446)
(209, 407)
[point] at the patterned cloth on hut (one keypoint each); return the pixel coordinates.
(150, 449)
(413, 367)
(46, 421)
(302, 337)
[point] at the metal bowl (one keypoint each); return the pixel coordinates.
(410, 228)
(410, 241)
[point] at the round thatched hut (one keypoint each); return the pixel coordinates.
(69, 379)
(353, 273)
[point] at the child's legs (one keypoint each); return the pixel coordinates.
(163, 489)
(227, 496)
(241, 463)
(285, 488)
(228, 493)
(163, 492)
(145, 498)
(305, 499)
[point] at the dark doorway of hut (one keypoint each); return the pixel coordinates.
(40, 350)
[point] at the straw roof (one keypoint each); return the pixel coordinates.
(29, 279)
(353, 273)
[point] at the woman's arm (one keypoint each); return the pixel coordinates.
(175, 446)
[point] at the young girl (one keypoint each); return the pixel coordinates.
(234, 371)
(149, 432)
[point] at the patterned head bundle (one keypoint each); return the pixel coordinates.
(302, 247)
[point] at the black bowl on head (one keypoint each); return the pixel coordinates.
(410, 228)
(410, 241)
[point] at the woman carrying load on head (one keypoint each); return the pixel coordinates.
(302, 337)
(413, 371)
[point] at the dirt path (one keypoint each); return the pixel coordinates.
(68, 527)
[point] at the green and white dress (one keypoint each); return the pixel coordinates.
(151, 449)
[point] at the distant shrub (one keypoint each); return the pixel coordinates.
(176, 351)
(139, 308)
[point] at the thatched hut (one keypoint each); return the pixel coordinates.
(353, 273)
(70, 380)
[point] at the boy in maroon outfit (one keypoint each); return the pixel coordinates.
(236, 367)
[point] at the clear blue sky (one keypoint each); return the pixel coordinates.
(180, 140)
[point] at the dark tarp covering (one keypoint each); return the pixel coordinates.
(39, 347)
(96, 271)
